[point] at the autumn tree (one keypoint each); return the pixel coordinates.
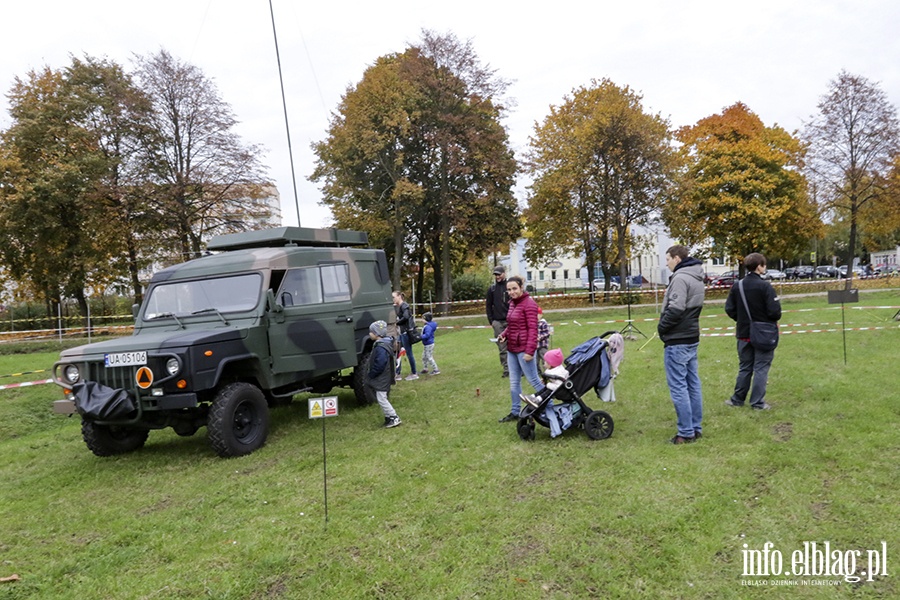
(416, 154)
(601, 164)
(853, 141)
(50, 168)
(206, 179)
(879, 219)
(741, 188)
(118, 115)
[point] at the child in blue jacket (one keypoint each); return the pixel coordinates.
(429, 366)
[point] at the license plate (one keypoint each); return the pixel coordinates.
(125, 359)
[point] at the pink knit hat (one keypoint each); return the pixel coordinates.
(554, 357)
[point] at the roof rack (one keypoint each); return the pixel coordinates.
(289, 236)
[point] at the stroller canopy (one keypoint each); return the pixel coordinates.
(588, 366)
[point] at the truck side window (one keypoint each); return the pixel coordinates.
(336, 282)
(301, 287)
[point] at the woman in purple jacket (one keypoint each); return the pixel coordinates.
(521, 336)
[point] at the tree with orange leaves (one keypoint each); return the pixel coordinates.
(741, 188)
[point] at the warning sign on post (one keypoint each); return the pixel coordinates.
(323, 407)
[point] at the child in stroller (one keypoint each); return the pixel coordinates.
(591, 365)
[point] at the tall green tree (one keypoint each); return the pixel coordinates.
(50, 166)
(601, 164)
(742, 188)
(207, 180)
(119, 114)
(853, 141)
(417, 152)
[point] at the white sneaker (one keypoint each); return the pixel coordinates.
(412, 377)
(531, 400)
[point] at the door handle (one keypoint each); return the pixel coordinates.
(344, 320)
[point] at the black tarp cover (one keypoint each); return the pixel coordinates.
(96, 401)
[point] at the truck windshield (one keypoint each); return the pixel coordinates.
(221, 294)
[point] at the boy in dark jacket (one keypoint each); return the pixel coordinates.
(380, 371)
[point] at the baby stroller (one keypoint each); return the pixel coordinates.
(591, 365)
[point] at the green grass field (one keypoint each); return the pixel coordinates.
(454, 505)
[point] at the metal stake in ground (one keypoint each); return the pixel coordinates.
(840, 297)
(318, 409)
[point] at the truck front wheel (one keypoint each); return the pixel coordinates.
(109, 440)
(238, 421)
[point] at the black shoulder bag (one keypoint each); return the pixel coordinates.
(763, 335)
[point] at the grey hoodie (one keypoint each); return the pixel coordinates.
(679, 322)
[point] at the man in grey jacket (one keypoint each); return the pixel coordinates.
(679, 329)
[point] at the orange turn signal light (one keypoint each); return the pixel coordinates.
(207, 353)
(181, 384)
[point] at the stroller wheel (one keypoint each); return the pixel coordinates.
(598, 425)
(525, 428)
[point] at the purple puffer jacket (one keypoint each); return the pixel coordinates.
(522, 325)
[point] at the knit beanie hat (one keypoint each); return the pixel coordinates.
(379, 328)
(554, 357)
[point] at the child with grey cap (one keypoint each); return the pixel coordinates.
(380, 371)
(428, 345)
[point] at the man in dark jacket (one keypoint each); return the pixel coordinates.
(380, 371)
(679, 329)
(764, 305)
(497, 307)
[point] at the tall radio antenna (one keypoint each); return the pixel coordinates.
(284, 105)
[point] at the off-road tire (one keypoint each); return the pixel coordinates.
(365, 395)
(238, 421)
(109, 440)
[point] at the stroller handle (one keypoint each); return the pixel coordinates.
(608, 333)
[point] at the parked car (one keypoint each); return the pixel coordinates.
(828, 272)
(600, 284)
(774, 275)
(723, 281)
(800, 272)
(633, 282)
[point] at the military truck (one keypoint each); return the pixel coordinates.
(220, 339)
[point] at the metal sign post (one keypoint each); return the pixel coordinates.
(319, 408)
(841, 297)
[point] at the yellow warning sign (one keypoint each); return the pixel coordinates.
(315, 408)
(144, 377)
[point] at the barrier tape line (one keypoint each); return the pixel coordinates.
(24, 384)
(788, 332)
(24, 373)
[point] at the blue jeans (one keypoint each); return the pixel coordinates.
(407, 345)
(754, 365)
(682, 374)
(517, 367)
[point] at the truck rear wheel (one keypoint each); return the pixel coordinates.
(365, 395)
(109, 440)
(238, 421)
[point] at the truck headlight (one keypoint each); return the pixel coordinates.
(173, 366)
(72, 374)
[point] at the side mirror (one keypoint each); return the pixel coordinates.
(135, 309)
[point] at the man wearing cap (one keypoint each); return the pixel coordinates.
(497, 307)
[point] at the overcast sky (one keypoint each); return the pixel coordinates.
(689, 59)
